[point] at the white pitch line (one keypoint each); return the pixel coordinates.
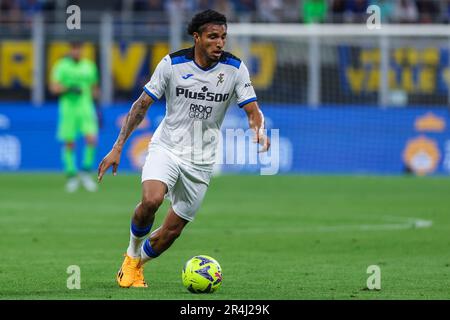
(408, 223)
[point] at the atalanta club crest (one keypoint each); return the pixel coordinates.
(220, 77)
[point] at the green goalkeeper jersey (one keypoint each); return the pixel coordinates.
(81, 76)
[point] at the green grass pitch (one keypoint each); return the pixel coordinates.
(276, 237)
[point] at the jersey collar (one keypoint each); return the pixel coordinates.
(190, 55)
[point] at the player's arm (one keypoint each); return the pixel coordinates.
(256, 122)
(57, 88)
(95, 88)
(246, 99)
(56, 78)
(132, 120)
(96, 92)
(153, 90)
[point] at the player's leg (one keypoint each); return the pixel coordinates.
(159, 175)
(89, 129)
(186, 197)
(90, 143)
(163, 237)
(153, 192)
(69, 161)
(131, 272)
(70, 168)
(67, 135)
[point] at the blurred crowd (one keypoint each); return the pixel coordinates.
(301, 11)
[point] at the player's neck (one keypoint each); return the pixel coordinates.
(202, 61)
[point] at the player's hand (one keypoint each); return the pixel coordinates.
(111, 159)
(74, 90)
(262, 139)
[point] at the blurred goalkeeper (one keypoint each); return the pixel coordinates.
(198, 84)
(75, 81)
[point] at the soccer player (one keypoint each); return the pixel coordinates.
(75, 81)
(198, 84)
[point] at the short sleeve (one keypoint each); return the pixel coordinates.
(243, 88)
(57, 73)
(157, 85)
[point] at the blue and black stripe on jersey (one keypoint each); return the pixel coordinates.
(187, 55)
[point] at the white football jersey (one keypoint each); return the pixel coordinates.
(196, 102)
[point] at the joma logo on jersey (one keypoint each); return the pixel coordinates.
(202, 95)
(199, 111)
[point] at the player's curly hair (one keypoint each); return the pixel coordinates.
(204, 17)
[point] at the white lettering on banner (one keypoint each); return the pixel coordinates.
(4, 122)
(10, 152)
(447, 156)
(286, 154)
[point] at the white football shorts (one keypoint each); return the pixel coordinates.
(186, 185)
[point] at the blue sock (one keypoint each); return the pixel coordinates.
(137, 236)
(140, 232)
(147, 252)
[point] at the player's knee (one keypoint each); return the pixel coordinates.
(152, 202)
(91, 140)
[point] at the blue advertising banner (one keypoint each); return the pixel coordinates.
(327, 140)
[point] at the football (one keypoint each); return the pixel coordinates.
(202, 274)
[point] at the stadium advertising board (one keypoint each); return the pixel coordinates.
(131, 66)
(324, 140)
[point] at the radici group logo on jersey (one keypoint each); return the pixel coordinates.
(197, 110)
